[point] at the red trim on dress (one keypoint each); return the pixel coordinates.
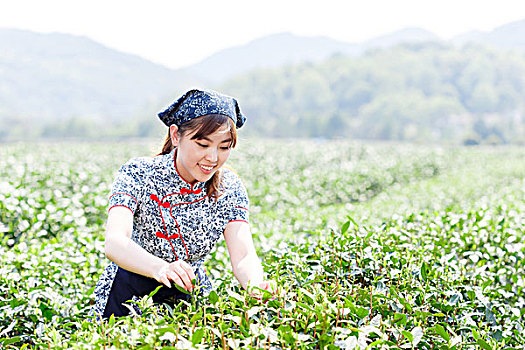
(120, 205)
(166, 204)
(240, 208)
(180, 235)
(165, 234)
(188, 191)
(178, 228)
(238, 220)
(127, 194)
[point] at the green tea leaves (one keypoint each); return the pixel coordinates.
(370, 247)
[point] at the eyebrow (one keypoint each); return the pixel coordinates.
(223, 141)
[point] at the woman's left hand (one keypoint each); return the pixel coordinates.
(270, 286)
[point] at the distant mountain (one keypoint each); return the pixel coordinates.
(407, 35)
(508, 36)
(269, 52)
(426, 92)
(53, 76)
(470, 36)
(284, 49)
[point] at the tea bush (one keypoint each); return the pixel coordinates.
(372, 246)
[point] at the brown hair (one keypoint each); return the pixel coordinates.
(204, 126)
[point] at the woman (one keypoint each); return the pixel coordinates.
(167, 212)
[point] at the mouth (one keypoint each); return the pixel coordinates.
(206, 168)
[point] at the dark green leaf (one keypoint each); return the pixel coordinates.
(180, 289)
(424, 271)
(197, 336)
(408, 335)
(11, 340)
(345, 227)
(442, 332)
(213, 297)
(400, 318)
(484, 344)
(361, 312)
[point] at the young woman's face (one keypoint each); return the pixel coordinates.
(199, 159)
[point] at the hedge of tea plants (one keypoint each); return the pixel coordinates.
(371, 245)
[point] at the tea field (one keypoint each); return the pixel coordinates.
(373, 246)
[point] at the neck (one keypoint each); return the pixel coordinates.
(181, 171)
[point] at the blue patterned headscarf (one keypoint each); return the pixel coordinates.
(196, 103)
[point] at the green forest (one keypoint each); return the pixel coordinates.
(428, 92)
(425, 92)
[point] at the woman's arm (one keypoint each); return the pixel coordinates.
(245, 262)
(127, 254)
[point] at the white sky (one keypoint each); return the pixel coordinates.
(178, 33)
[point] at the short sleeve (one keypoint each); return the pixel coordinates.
(126, 188)
(241, 203)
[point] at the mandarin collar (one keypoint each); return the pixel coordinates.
(180, 180)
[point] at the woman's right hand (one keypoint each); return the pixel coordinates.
(126, 253)
(179, 272)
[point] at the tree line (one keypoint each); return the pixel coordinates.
(419, 92)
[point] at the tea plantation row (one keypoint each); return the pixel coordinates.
(372, 246)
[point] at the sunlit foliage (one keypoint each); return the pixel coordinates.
(372, 245)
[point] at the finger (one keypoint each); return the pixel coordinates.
(189, 270)
(176, 279)
(172, 275)
(186, 272)
(269, 286)
(264, 286)
(184, 277)
(164, 280)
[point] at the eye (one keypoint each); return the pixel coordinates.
(225, 148)
(201, 145)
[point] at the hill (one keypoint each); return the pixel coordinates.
(508, 36)
(418, 92)
(403, 36)
(53, 77)
(65, 85)
(282, 49)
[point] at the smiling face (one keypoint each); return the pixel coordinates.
(200, 156)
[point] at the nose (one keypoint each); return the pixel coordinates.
(211, 155)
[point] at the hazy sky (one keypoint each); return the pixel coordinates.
(179, 33)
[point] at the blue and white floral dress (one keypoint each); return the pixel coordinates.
(172, 219)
